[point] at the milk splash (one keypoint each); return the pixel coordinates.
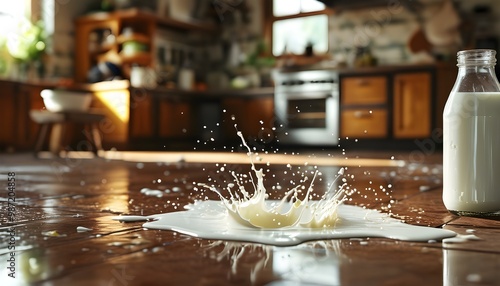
(252, 210)
(287, 222)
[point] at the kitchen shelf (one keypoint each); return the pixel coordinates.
(140, 58)
(162, 22)
(134, 37)
(144, 26)
(102, 50)
(188, 26)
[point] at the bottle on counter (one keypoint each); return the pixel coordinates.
(186, 77)
(471, 137)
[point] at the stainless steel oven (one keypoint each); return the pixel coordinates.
(307, 107)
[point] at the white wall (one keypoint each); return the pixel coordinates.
(388, 29)
(62, 47)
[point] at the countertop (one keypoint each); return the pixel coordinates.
(255, 92)
(55, 196)
(217, 94)
(342, 70)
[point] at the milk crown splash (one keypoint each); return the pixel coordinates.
(253, 210)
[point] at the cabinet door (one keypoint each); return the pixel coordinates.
(412, 105)
(176, 119)
(115, 104)
(364, 90)
(141, 114)
(364, 123)
(8, 107)
(254, 118)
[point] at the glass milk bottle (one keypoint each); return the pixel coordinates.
(471, 137)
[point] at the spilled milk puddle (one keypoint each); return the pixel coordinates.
(241, 215)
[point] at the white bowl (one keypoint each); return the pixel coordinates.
(63, 100)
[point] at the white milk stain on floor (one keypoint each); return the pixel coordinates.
(211, 220)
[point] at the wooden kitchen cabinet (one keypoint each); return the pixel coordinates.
(254, 117)
(412, 105)
(158, 118)
(17, 99)
(364, 107)
(364, 90)
(141, 114)
(8, 107)
(175, 119)
(364, 123)
(395, 105)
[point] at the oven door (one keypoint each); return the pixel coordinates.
(310, 118)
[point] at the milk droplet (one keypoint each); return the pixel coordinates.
(82, 229)
(461, 238)
(130, 218)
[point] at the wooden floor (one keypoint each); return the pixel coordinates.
(53, 197)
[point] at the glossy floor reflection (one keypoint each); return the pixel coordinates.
(53, 197)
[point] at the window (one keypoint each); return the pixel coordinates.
(22, 35)
(293, 24)
(11, 14)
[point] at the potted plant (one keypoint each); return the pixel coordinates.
(27, 46)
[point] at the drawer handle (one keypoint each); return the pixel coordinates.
(363, 114)
(363, 82)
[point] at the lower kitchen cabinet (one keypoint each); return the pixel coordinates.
(364, 107)
(154, 117)
(115, 104)
(160, 117)
(8, 109)
(254, 117)
(391, 105)
(412, 105)
(141, 114)
(364, 90)
(18, 130)
(364, 123)
(175, 119)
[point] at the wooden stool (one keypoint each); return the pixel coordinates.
(56, 121)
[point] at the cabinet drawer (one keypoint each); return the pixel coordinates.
(364, 90)
(364, 123)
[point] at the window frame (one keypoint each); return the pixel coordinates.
(269, 20)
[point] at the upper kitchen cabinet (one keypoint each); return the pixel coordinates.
(122, 39)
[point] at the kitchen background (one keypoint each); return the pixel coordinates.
(225, 49)
(385, 28)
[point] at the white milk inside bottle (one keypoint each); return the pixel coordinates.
(471, 138)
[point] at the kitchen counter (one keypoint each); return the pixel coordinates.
(55, 196)
(213, 94)
(162, 91)
(135, 116)
(374, 69)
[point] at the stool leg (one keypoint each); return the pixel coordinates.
(55, 138)
(42, 134)
(96, 137)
